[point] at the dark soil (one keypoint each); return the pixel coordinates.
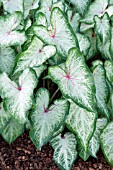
(22, 155)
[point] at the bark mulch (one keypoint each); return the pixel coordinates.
(22, 155)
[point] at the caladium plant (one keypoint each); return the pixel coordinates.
(56, 76)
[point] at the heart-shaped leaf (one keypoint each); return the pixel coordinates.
(40, 19)
(109, 70)
(93, 48)
(97, 7)
(10, 128)
(102, 90)
(82, 123)
(39, 70)
(42, 131)
(102, 27)
(7, 59)
(30, 5)
(8, 35)
(46, 7)
(83, 154)
(74, 19)
(13, 5)
(94, 144)
(60, 35)
(35, 55)
(104, 48)
(18, 97)
(75, 80)
(81, 6)
(84, 43)
(65, 152)
(106, 139)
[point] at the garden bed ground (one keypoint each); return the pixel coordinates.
(22, 155)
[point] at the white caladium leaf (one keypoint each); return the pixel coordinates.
(93, 48)
(81, 6)
(109, 10)
(58, 131)
(46, 7)
(65, 152)
(13, 5)
(85, 27)
(35, 55)
(7, 59)
(8, 35)
(42, 131)
(75, 81)
(12, 130)
(102, 27)
(106, 139)
(39, 70)
(18, 97)
(102, 90)
(30, 5)
(104, 49)
(82, 123)
(41, 19)
(73, 19)
(4, 118)
(61, 34)
(28, 23)
(111, 2)
(98, 8)
(108, 65)
(111, 42)
(83, 154)
(84, 43)
(55, 60)
(94, 144)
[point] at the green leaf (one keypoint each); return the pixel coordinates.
(39, 70)
(106, 139)
(65, 152)
(4, 118)
(73, 19)
(97, 7)
(55, 60)
(58, 131)
(102, 90)
(84, 43)
(41, 19)
(18, 97)
(60, 35)
(104, 49)
(81, 6)
(8, 34)
(35, 55)
(93, 48)
(83, 154)
(13, 5)
(102, 27)
(42, 131)
(109, 70)
(30, 5)
(85, 27)
(94, 144)
(7, 59)
(75, 80)
(10, 128)
(82, 123)
(46, 7)
(111, 42)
